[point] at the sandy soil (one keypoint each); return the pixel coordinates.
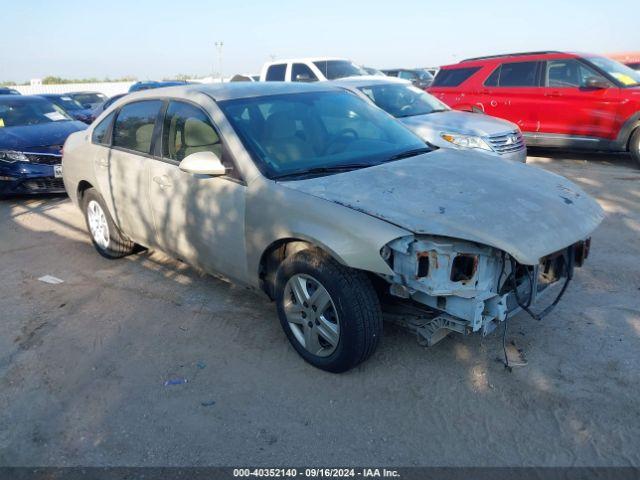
(82, 364)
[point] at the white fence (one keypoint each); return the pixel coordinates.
(108, 88)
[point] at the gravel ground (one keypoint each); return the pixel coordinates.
(83, 363)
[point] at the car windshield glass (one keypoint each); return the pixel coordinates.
(403, 100)
(425, 76)
(68, 103)
(85, 98)
(296, 133)
(333, 69)
(625, 75)
(34, 111)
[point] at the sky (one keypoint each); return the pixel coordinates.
(155, 39)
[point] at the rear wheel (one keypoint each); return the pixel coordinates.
(329, 312)
(105, 235)
(634, 146)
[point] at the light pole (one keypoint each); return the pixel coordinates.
(219, 46)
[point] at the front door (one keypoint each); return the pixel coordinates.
(571, 108)
(197, 218)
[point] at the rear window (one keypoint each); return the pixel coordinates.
(515, 74)
(275, 73)
(452, 77)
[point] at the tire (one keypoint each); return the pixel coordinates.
(634, 146)
(107, 238)
(347, 327)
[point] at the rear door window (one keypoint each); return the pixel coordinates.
(275, 73)
(99, 134)
(453, 77)
(515, 74)
(134, 125)
(302, 73)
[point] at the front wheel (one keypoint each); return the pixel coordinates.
(634, 146)
(329, 312)
(105, 235)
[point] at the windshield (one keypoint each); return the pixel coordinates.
(87, 98)
(333, 69)
(33, 111)
(294, 133)
(403, 100)
(625, 75)
(67, 103)
(425, 76)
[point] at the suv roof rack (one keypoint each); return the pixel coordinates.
(486, 57)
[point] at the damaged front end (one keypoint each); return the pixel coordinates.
(442, 285)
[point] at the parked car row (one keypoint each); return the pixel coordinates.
(559, 100)
(331, 207)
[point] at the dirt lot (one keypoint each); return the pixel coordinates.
(83, 363)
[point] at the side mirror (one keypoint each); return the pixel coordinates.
(595, 82)
(203, 163)
(303, 77)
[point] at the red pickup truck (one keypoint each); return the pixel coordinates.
(564, 100)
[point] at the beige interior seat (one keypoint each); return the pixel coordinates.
(199, 136)
(280, 139)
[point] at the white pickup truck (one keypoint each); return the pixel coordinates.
(309, 70)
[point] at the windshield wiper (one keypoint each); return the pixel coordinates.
(409, 153)
(328, 169)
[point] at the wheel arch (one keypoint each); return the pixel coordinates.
(280, 249)
(83, 186)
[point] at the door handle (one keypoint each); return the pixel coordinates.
(554, 93)
(102, 163)
(163, 181)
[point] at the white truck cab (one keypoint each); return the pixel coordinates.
(309, 69)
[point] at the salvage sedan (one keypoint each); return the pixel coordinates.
(437, 123)
(331, 207)
(32, 132)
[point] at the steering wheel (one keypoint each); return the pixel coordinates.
(341, 138)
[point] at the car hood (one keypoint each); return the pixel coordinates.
(458, 122)
(25, 138)
(520, 209)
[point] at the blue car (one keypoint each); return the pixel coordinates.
(32, 133)
(71, 106)
(136, 87)
(8, 91)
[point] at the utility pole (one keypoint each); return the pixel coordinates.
(219, 46)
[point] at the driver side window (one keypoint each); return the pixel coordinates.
(187, 130)
(569, 73)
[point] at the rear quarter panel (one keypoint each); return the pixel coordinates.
(77, 164)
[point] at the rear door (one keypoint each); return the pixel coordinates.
(569, 107)
(197, 218)
(134, 131)
(513, 92)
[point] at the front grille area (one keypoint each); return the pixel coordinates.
(506, 142)
(44, 158)
(43, 184)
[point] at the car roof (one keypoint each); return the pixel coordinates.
(235, 90)
(369, 81)
(307, 59)
(522, 56)
(23, 98)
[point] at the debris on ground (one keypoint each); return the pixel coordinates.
(208, 403)
(175, 381)
(51, 279)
